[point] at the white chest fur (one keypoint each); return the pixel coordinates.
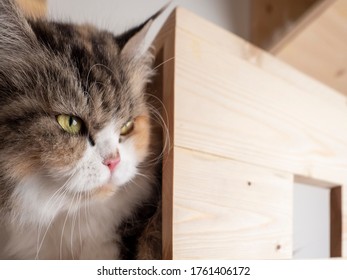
(84, 229)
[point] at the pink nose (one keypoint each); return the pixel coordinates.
(111, 162)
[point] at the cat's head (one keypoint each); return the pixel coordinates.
(73, 112)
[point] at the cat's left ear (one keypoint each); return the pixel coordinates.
(136, 47)
(133, 43)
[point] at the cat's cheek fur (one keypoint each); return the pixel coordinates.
(134, 151)
(141, 137)
(88, 174)
(127, 168)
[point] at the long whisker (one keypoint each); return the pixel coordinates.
(79, 220)
(86, 212)
(63, 229)
(58, 195)
(155, 114)
(72, 230)
(143, 175)
(164, 62)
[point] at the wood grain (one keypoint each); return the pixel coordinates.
(164, 45)
(253, 116)
(344, 220)
(233, 45)
(237, 115)
(271, 19)
(300, 26)
(318, 47)
(229, 210)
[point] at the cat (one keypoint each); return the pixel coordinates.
(76, 157)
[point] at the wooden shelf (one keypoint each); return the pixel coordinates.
(317, 46)
(243, 126)
(270, 20)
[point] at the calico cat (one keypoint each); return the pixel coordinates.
(76, 157)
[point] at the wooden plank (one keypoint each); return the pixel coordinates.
(271, 19)
(316, 183)
(235, 101)
(309, 18)
(336, 222)
(319, 49)
(233, 45)
(165, 51)
(225, 209)
(233, 105)
(267, 121)
(344, 220)
(34, 8)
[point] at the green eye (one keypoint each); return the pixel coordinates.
(70, 124)
(127, 128)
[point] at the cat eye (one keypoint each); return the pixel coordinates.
(70, 124)
(127, 128)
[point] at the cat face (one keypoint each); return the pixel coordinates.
(73, 119)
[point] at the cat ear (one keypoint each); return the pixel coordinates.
(16, 36)
(133, 43)
(135, 47)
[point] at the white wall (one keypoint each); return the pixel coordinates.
(311, 222)
(117, 15)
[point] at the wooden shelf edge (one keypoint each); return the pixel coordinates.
(308, 18)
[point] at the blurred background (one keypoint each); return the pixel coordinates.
(120, 15)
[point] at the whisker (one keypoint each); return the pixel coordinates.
(164, 62)
(79, 220)
(143, 175)
(58, 194)
(60, 197)
(72, 230)
(86, 212)
(164, 124)
(63, 229)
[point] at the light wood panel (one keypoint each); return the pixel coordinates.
(248, 209)
(164, 45)
(301, 25)
(249, 115)
(233, 45)
(318, 45)
(271, 19)
(236, 110)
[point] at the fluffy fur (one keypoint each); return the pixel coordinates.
(58, 198)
